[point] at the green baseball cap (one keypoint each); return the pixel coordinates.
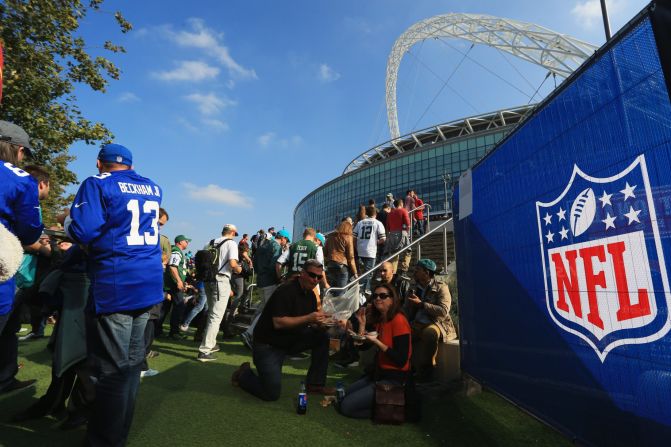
(428, 264)
(181, 238)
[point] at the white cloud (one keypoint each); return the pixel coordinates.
(210, 103)
(187, 124)
(128, 97)
(216, 124)
(140, 32)
(270, 139)
(210, 42)
(588, 12)
(265, 139)
(215, 193)
(188, 71)
(327, 74)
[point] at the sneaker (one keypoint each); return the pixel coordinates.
(30, 336)
(153, 354)
(216, 348)
(247, 340)
(345, 365)
(148, 373)
(183, 327)
(202, 357)
(299, 356)
(235, 378)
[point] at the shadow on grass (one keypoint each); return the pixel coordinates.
(191, 403)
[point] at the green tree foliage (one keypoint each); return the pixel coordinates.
(45, 60)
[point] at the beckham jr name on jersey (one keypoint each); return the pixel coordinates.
(115, 214)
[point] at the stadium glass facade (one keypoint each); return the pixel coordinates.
(421, 169)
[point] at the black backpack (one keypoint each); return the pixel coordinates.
(207, 261)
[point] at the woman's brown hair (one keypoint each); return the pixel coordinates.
(9, 152)
(344, 228)
(375, 316)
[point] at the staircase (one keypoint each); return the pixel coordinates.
(432, 248)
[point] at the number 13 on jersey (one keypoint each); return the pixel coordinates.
(148, 238)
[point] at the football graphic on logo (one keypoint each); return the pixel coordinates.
(583, 211)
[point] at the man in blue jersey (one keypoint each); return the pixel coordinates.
(115, 217)
(20, 214)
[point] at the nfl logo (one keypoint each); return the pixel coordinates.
(603, 264)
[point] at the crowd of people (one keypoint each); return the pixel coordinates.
(123, 280)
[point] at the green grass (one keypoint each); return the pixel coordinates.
(194, 404)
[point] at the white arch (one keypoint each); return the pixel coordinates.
(559, 53)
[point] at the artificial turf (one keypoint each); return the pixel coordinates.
(194, 404)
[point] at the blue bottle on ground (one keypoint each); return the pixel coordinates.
(302, 406)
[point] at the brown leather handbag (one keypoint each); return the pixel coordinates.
(389, 404)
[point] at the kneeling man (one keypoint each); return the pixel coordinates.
(290, 323)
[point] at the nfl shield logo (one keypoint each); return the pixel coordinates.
(603, 264)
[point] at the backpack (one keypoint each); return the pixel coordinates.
(207, 261)
(25, 276)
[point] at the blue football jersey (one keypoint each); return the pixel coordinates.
(115, 215)
(19, 213)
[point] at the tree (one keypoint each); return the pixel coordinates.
(45, 60)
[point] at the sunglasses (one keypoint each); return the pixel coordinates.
(382, 296)
(316, 276)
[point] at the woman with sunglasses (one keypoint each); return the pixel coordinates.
(392, 363)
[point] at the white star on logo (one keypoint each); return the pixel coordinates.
(564, 233)
(550, 236)
(547, 219)
(632, 215)
(628, 191)
(609, 221)
(561, 214)
(605, 199)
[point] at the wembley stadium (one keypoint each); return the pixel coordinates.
(431, 160)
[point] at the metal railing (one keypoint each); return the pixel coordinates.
(412, 230)
(358, 279)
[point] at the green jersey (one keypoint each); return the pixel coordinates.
(299, 253)
(177, 260)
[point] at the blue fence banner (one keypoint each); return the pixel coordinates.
(564, 259)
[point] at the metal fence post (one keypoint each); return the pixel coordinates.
(445, 248)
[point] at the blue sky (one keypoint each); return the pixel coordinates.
(239, 109)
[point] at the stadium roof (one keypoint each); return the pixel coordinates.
(439, 133)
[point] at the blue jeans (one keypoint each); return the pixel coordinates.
(337, 275)
(202, 305)
(116, 350)
(269, 359)
(359, 398)
(9, 343)
(366, 264)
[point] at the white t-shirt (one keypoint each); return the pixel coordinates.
(367, 233)
(227, 251)
(284, 257)
(320, 255)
